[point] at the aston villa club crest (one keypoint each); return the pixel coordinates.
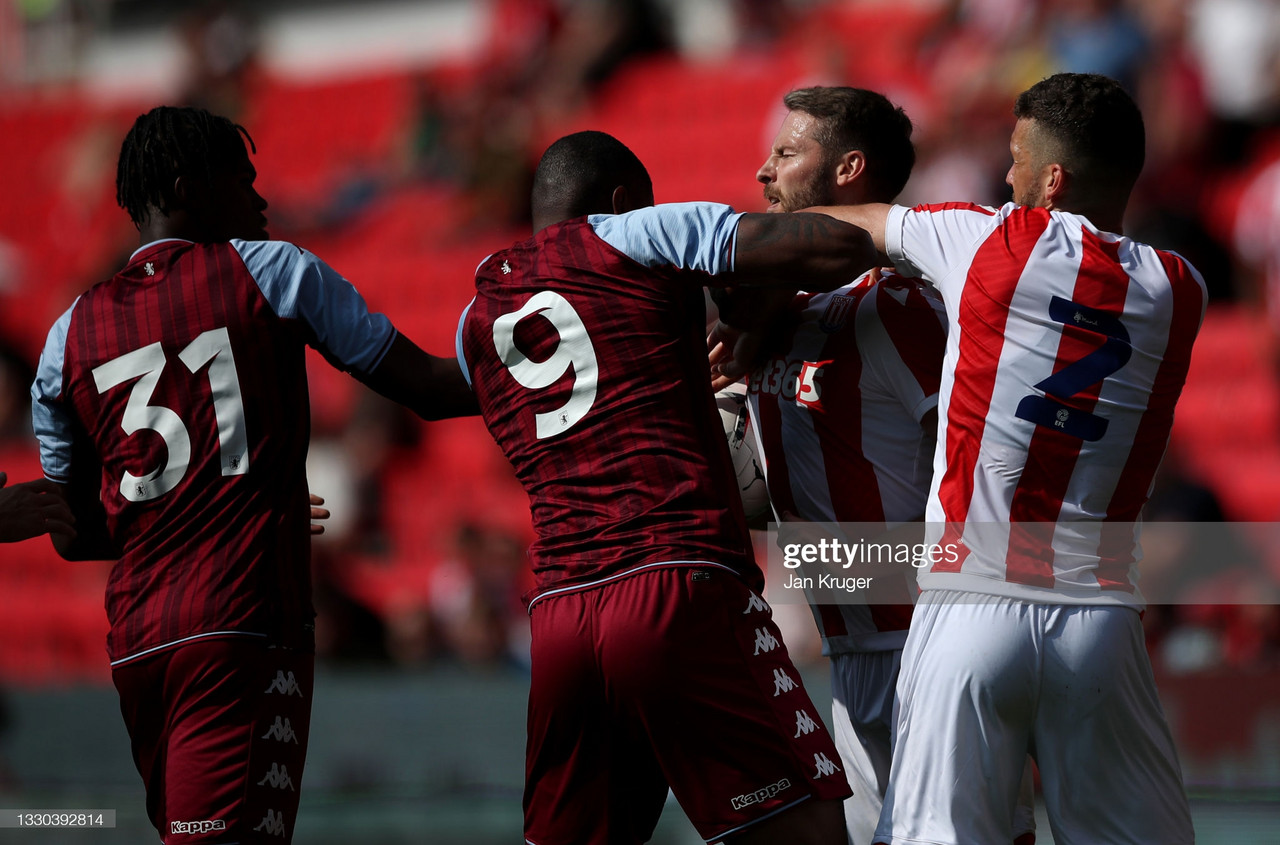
(837, 313)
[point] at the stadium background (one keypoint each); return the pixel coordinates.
(396, 140)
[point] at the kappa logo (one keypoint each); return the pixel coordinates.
(760, 795)
(804, 724)
(149, 268)
(285, 684)
(277, 778)
(825, 767)
(281, 731)
(782, 682)
(765, 641)
(506, 268)
(756, 605)
(272, 824)
(207, 826)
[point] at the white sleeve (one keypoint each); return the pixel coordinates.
(685, 235)
(300, 286)
(49, 417)
(457, 343)
(927, 241)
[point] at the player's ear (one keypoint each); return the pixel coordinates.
(849, 167)
(182, 191)
(621, 201)
(1056, 180)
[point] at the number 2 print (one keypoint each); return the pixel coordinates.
(1080, 375)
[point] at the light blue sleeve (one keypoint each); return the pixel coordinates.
(687, 235)
(299, 286)
(457, 344)
(49, 416)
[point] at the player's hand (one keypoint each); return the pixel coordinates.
(317, 512)
(720, 344)
(732, 353)
(33, 508)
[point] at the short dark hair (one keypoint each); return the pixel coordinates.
(168, 142)
(577, 174)
(1093, 124)
(858, 119)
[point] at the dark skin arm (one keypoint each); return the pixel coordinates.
(33, 508)
(773, 250)
(431, 387)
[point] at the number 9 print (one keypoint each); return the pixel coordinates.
(574, 349)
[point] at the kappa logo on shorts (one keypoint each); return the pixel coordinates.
(765, 641)
(756, 605)
(272, 824)
(285, 684)
(804, 724)
(277, 778)
(760, 795)
(825, 766)
(782, 683)
(281, 731)
(207, 826)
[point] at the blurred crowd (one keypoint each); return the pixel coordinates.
(1205, 72)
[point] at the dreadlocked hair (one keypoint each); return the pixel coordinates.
(168, 142)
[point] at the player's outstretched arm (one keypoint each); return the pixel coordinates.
(778, 249)
(33, 508)
(431, 387)
(870, 217)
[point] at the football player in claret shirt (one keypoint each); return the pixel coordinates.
(655, 663)
(1068, 346)
(171, 403)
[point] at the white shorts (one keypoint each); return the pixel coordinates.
(862, 693)
(985, 681)
(863, 688)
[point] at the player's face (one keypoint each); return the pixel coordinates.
(236, 206)
(796, 174)
(1024, 177)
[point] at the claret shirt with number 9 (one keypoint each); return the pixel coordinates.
(586, 348)
(186, 373)
(1067, 350)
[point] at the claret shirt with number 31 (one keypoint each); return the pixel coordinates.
(186, 375)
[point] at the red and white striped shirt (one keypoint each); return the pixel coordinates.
(837, 414)
(1067, 350)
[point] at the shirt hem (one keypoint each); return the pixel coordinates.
(175, 643)
(960, 581)
(589, 585)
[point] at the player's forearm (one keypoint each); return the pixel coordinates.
(870, 217)
(431, 387)
(815, 251)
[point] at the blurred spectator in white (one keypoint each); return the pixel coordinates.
(1257, 237)
(475, 598)
(1237, 43)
